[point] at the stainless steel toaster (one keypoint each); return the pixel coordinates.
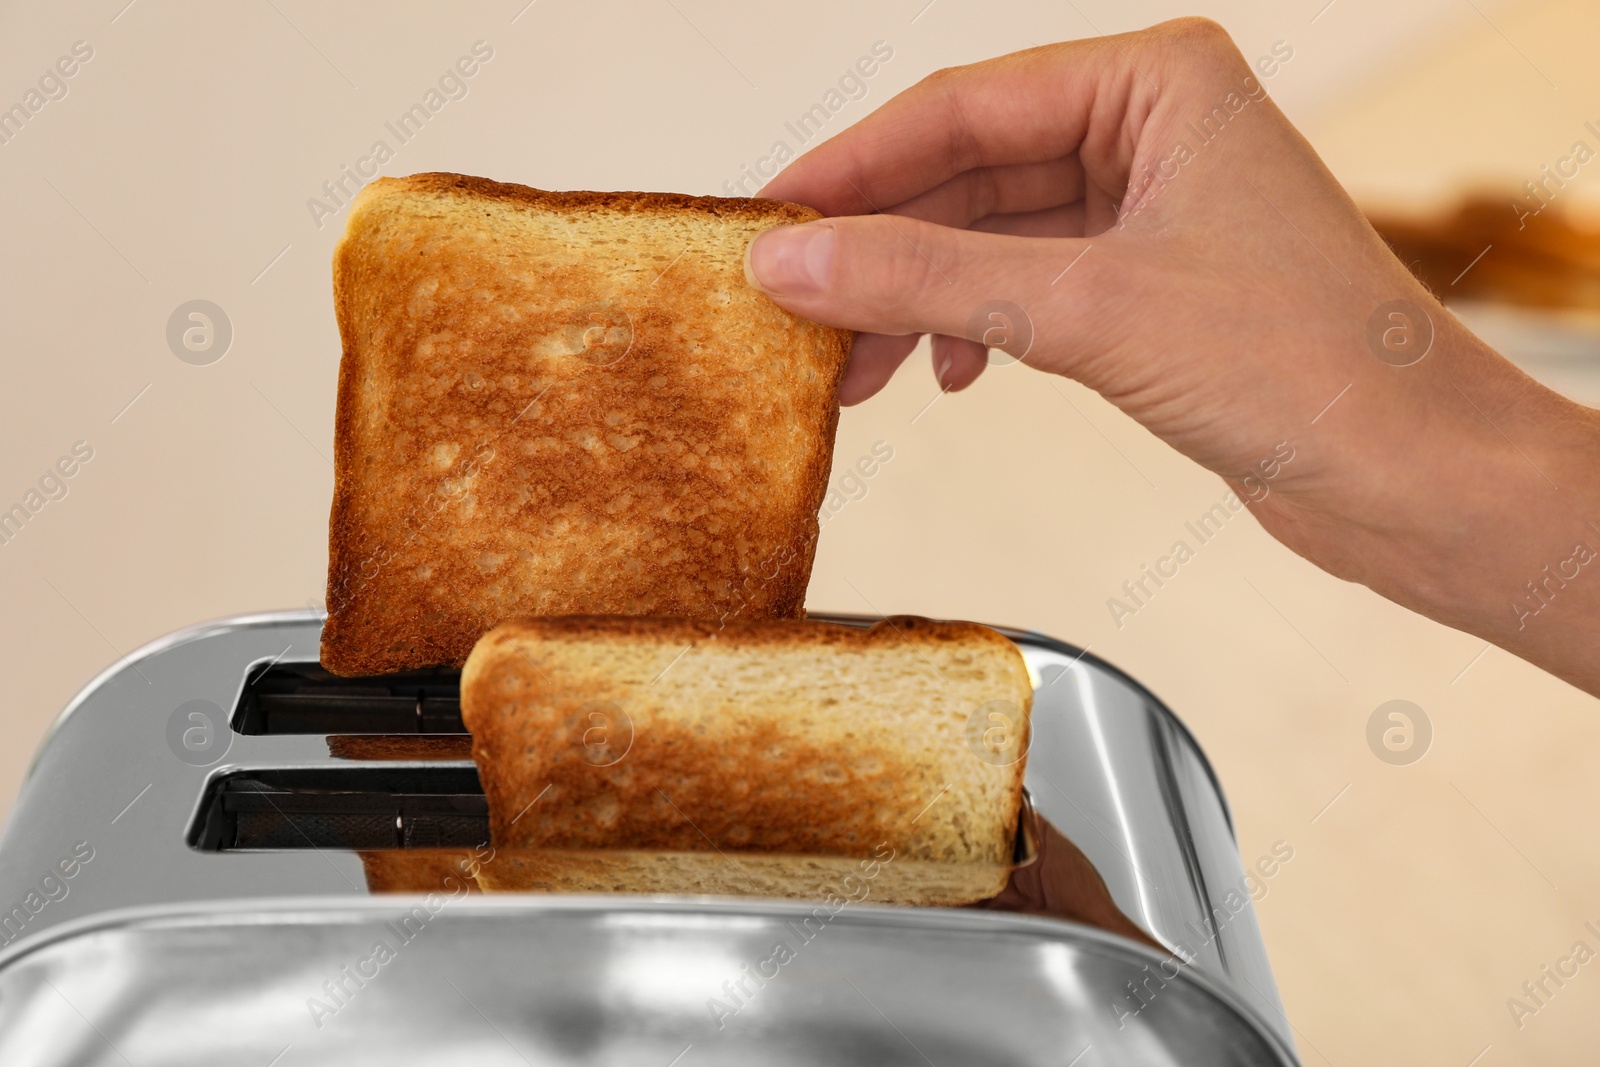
(182, 882)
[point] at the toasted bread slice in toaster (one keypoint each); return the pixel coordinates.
(564, 402)
(632, 736)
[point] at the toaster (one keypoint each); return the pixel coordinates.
(200, 869)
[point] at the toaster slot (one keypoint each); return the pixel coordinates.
(302, 698)
(342, 808)
(380, 808)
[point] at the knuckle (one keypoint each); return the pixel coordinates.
(945, 85)
(1201, 30)
(896, 264)
(1204, 38)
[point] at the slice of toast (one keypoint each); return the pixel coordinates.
(564, 402)
(796, 738)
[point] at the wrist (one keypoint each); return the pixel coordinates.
(1518, 563)
(1468, 493)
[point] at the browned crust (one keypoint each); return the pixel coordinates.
(812, 633)
(401, 636)
(723, 206)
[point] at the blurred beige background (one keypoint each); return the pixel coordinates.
(179, 165)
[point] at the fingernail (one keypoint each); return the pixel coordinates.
(791, 260)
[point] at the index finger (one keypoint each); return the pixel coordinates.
(1040, 104)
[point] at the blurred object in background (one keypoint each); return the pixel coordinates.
(1520, 272)
(1474, 152)
(1500, 249)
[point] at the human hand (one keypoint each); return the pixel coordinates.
(1159, 231)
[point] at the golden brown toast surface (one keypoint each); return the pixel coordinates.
(564, 402)
(773, 737)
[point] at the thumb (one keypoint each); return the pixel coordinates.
(1032, 297)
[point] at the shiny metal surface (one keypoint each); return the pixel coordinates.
(1109, 767)
(503, 981)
